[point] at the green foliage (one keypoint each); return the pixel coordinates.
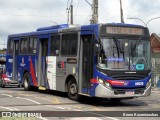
(3, 50)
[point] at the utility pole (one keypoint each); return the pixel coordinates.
(70, 13)
(94, 19)
(71, 17)
(121, 12)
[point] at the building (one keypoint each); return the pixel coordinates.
(155, 49)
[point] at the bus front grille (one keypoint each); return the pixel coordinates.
(123, 91)
(127, 77)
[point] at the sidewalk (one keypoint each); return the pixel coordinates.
(155, 89)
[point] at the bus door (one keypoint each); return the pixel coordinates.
(42, 62)
(86, 58)
(15, 59)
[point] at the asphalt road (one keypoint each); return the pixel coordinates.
(17, 100)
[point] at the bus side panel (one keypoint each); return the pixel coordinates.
(28, 64)
(51, 72)
(61, 73)
(9, 66)
(22, 66)
(32, 63)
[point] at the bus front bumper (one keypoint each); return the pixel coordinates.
(104, 92)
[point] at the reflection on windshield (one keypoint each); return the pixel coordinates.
(124, 54)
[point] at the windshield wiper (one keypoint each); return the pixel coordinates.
(118, 46)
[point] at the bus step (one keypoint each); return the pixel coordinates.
(42, 88)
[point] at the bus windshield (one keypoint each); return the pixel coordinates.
(124, 54)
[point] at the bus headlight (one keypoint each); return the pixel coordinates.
(101, 81)
(104, 83)
(148, 84)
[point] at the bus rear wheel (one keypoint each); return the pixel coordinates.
(72, 90)
(26, 81)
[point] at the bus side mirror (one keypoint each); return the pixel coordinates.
(97, 48)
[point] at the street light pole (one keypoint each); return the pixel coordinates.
(151, 20)
(138, 19)
(145, 24)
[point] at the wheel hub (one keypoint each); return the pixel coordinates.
(25, 84)
(73, 89)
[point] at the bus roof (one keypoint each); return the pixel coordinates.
(45, 30)
(57, 28)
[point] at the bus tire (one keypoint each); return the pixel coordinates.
(72, 90)
(26, 81)
(3, 86)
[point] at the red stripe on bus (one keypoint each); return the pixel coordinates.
(94, 81)
(116, 82)
(33, 73)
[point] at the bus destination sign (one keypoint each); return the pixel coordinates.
(125, 30)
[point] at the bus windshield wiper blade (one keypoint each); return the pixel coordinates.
(118, 45)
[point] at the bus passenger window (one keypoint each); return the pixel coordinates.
(69, 44)
(10, 46)
(24, 46)
(32, 49)
(55, 45)
(35, 46)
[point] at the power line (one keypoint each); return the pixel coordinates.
(25, 15)
(35, 15)
(88, 17)
(77, 8)
(68, 4)
(89, 3)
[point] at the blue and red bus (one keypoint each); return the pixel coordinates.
(100, 60)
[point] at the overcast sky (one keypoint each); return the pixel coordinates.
(17, 16)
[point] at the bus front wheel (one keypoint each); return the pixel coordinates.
(72, 90)
(3, 85)
(26, 83)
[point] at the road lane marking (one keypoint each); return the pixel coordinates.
(27, 95)
(7, 95)
(112, 118)
(97, 114)
(84, 118)
(77, 106)
(56, 100)
(29, 100)
(96, 109)
(101, 115)
(7, 108)
(77, 110)
(44, 99)
(56, 107)
(42, 118)
(16, 109)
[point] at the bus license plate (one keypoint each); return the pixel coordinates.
(129, 92)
